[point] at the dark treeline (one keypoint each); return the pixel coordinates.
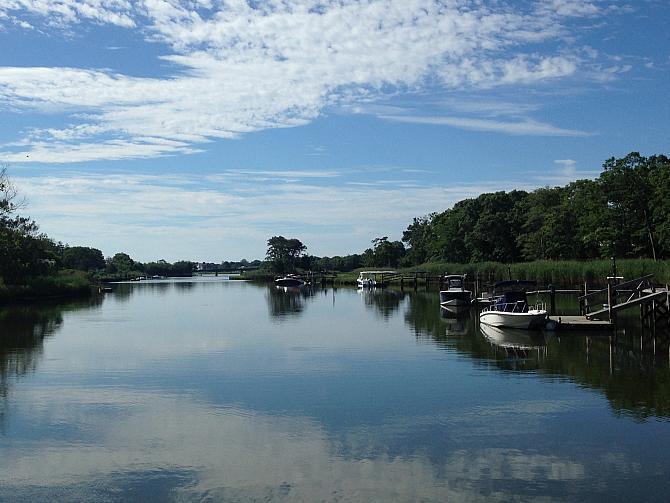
(625, 212)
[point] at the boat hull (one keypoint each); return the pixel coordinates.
(455, 301)
(535, 318)
(289, 282)
(456, 306)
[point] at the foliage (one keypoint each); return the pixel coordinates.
(82, 258)
(283, 253)
(24, 252)
(625, 213)
(384, 253)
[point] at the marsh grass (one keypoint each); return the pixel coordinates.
(568, 273)
(64, 283)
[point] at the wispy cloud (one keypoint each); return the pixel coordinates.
(522, 127)
(243, 66)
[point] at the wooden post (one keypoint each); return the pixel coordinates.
(586, 301)
(609, 299)
(552, 300)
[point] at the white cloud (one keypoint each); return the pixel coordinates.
(230, 215)
(241, 67)
(520, 127)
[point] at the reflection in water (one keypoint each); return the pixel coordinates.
(23, 329)
(383, 301)
(173, 394)
(630, 367)
(194, 451)
(514, 348)
(454, 325)
(287, 301)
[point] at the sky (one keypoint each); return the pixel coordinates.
(198, 129)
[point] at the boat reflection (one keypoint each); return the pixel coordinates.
(455, 324)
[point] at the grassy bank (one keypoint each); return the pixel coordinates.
(563, 273)
(546, 272)
(569, 272)
(62, 284)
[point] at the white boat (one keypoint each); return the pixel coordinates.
(511, 309)
(289, 280)
(455, 299)
(373, 279)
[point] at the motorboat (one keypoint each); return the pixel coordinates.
(455, 299)
(373, 279)
(511, 308)
(289, 280)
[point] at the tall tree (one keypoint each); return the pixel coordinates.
(83, 258)
(627, 184)
(282, 253)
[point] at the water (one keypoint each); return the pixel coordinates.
(216, 390)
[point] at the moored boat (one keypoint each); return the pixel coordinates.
(289, 280)
(455, 299)
(511, 309)
(373, 279)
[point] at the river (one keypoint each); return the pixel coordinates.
(215, 390)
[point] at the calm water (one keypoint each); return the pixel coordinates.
(226, 391)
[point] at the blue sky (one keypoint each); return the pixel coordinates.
(198, 129)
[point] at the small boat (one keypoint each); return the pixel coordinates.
(455, 299)
(373, 279)
(289, 280)
(511, 309)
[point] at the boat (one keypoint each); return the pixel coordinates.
(511, 308)
(373, 279)
(455, 299)
(289, 280)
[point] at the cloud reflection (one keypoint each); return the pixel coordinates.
(122, 438)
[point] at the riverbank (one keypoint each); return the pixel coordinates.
(545, 272)
(62, 284)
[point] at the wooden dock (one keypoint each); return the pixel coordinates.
(577, 323)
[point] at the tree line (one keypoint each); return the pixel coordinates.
(27, 254)
(625, 213)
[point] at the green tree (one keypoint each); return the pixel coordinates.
(282, 253)
(121, 263)
(384, 253)
(24, 252)
(627, 185)
(83, 258)
(419, 237)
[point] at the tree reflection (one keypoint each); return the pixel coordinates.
(631, 367)
(287, 301)
(23, 329)
(383, 301)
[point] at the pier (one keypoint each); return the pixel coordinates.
(652, 300)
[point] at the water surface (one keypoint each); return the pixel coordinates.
(221, 390)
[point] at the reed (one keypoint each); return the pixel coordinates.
(564, 273)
